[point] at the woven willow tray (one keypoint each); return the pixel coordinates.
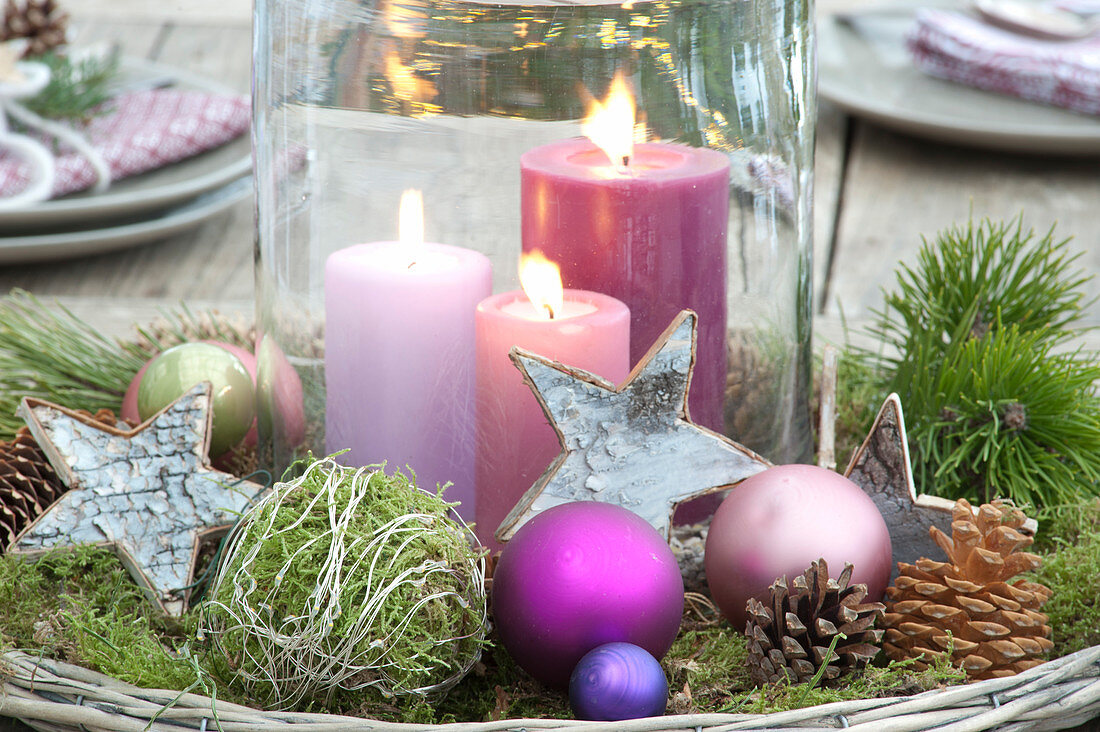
(58, 697)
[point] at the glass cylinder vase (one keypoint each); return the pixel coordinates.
(411, 154)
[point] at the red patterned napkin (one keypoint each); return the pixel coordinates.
(960, 48)
(143, 131)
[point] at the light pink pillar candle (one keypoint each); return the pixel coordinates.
(515, 442)
(399, 360)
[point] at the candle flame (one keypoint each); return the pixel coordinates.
(410, 223)
(541, 280)
(610, 123)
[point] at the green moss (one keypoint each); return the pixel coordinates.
(80, 605)
(390, 546)
(1068, 524)
(893, 679)
(499, 689)
(708, 673)
(1071, 568)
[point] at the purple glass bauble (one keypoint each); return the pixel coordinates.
(618, 681)
(779, 521)
(580, 575)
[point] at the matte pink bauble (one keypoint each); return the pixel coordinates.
(777, 522)
(280, 403)
(583, 574)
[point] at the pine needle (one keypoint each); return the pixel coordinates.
(48, 353)
(77, 90)
(53, 355)
(976, 334)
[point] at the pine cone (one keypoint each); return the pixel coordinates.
(28, 483)
(966, 605)
(184, 327)
(790, 639)
(42, 22)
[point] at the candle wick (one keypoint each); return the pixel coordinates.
(626, 161)
(549, 310)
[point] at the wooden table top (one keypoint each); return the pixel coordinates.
(876, 192)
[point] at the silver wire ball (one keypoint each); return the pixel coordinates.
(334, 581)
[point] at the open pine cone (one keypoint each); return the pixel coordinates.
(42, 22)
(966, 605)
(790, 639)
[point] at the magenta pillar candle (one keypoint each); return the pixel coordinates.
(515, 442)
(652, 234)
(399, 360)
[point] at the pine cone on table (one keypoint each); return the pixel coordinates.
(966, 605)
(28, 483)
(42, 22)
(790, 639)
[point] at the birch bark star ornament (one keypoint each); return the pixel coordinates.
(633, 446)
(148, 493)
(882, 468)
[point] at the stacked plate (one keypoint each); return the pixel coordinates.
(865, 68)
(139, 209)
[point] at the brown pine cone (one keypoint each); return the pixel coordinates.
(42, 22)
(28, 483)
(966, 605)
(165, 333)
(790, 639)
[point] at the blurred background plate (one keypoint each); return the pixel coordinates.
(865, 68)
(81, 242)
(148, 192)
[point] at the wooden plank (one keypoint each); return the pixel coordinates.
(212, 262)
(899, 188)
(132, 37)
(116, 317)
(830, 157)
(214, 12)
(219, 52)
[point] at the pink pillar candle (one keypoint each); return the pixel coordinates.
(515, 442)
(652, 234)
(399, 360)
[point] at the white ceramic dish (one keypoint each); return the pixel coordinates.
(865, 68)
(42, 247)
(155, 190)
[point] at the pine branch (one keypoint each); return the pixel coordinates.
(1014, 420)
(976, 334)
(56, 356)
(49, 353)
(77, 90)
(968, 275)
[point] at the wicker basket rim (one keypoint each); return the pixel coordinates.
(53, 695)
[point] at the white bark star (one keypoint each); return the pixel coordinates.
(634, 445)
(148, 493)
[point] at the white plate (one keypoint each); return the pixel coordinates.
(43, 247)
(157, 189)
(865, 68)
